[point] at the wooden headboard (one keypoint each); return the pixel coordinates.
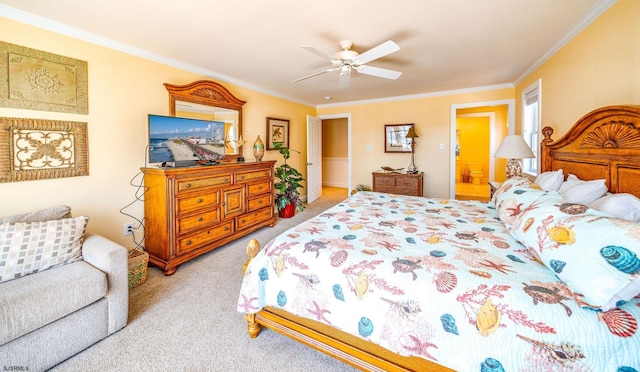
(603, 144)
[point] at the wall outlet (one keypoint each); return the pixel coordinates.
(128, 229)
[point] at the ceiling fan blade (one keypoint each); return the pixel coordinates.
(381, 50)
(324, 55)
(314, 74)
(379, 72)
(345, 77)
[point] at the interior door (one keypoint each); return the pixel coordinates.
(314, 158)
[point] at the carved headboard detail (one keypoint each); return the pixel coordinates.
(603, 144)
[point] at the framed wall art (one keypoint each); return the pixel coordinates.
(35, 149)
(277, 133)
(395, 138)
(36, 80)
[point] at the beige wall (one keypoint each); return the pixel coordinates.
(123, 90)
(431, 116)
(599, 67)
(334, 138)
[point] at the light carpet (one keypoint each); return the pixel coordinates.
(188, 321)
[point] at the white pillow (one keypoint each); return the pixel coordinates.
(577, 191)
(572, 180)
(625, 206)
(30, 247)
(550, 181)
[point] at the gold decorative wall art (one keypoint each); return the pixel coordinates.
(35, 149)
(37, 80)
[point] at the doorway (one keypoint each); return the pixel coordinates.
(500, 114)
(336, 155)
(474, 168)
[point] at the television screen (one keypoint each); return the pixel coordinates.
(176, 139)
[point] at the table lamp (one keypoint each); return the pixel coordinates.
(514, 148)
(412, 169)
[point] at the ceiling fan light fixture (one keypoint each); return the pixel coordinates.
(347, 59)
(346, 55)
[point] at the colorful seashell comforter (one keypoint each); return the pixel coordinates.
(439, 279)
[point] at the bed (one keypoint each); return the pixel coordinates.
(391, 282)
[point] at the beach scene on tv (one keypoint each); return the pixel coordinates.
(180, 139)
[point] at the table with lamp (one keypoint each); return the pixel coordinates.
(409, 183)
(513, 148)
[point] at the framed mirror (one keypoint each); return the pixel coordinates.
(205, 99)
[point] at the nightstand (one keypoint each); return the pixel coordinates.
(398, 183)
(493, 186)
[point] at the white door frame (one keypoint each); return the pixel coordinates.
(511, 119)
(348, 117)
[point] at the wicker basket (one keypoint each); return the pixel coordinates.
(137, 267)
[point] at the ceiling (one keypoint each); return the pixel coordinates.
(444, 44)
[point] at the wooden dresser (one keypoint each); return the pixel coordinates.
(398, 183)
(193, 210)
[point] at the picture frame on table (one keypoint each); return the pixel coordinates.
(395, 138)
(277, 133)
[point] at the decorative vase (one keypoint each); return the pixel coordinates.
(288, 211)
(258, 149)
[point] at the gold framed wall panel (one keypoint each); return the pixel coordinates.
(37, 149)
(36, 80)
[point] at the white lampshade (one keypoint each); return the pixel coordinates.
(513, 146)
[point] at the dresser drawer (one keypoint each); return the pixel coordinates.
(197, 240)
(398, 183)
(407, 182)
(385, 181)
(258, 188)
(186, 224)
(259, 202)
(252, 218)
(198, 201)
(199, 183)
(248, 176)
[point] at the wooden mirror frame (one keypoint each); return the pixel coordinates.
(209, 93)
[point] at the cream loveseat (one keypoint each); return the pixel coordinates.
(50, 313)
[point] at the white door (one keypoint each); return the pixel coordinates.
(314, 158)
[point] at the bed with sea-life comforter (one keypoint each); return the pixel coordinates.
(545, 276)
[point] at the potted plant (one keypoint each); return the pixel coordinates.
(288, 197)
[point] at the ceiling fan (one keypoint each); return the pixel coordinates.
(347, 60)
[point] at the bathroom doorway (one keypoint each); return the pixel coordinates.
(473, 158)
(498, 114)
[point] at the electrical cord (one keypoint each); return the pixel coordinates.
(141, 190)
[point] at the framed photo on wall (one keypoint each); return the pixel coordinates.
(277, 133)
(395, 138)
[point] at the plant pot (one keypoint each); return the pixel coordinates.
(288, 211)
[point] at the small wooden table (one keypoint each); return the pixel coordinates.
(493, 186)
(398, 183)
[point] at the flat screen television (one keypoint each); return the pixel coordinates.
(184, 140)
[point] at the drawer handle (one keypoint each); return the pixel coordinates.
(199, 200)
(226, 180)
(259, 201)
(241, 177)
(199, 219)
(259, 187)
(226, 228)
(242, 221)
(188, 242)
(188, 185)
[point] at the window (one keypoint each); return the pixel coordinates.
(531, 125)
